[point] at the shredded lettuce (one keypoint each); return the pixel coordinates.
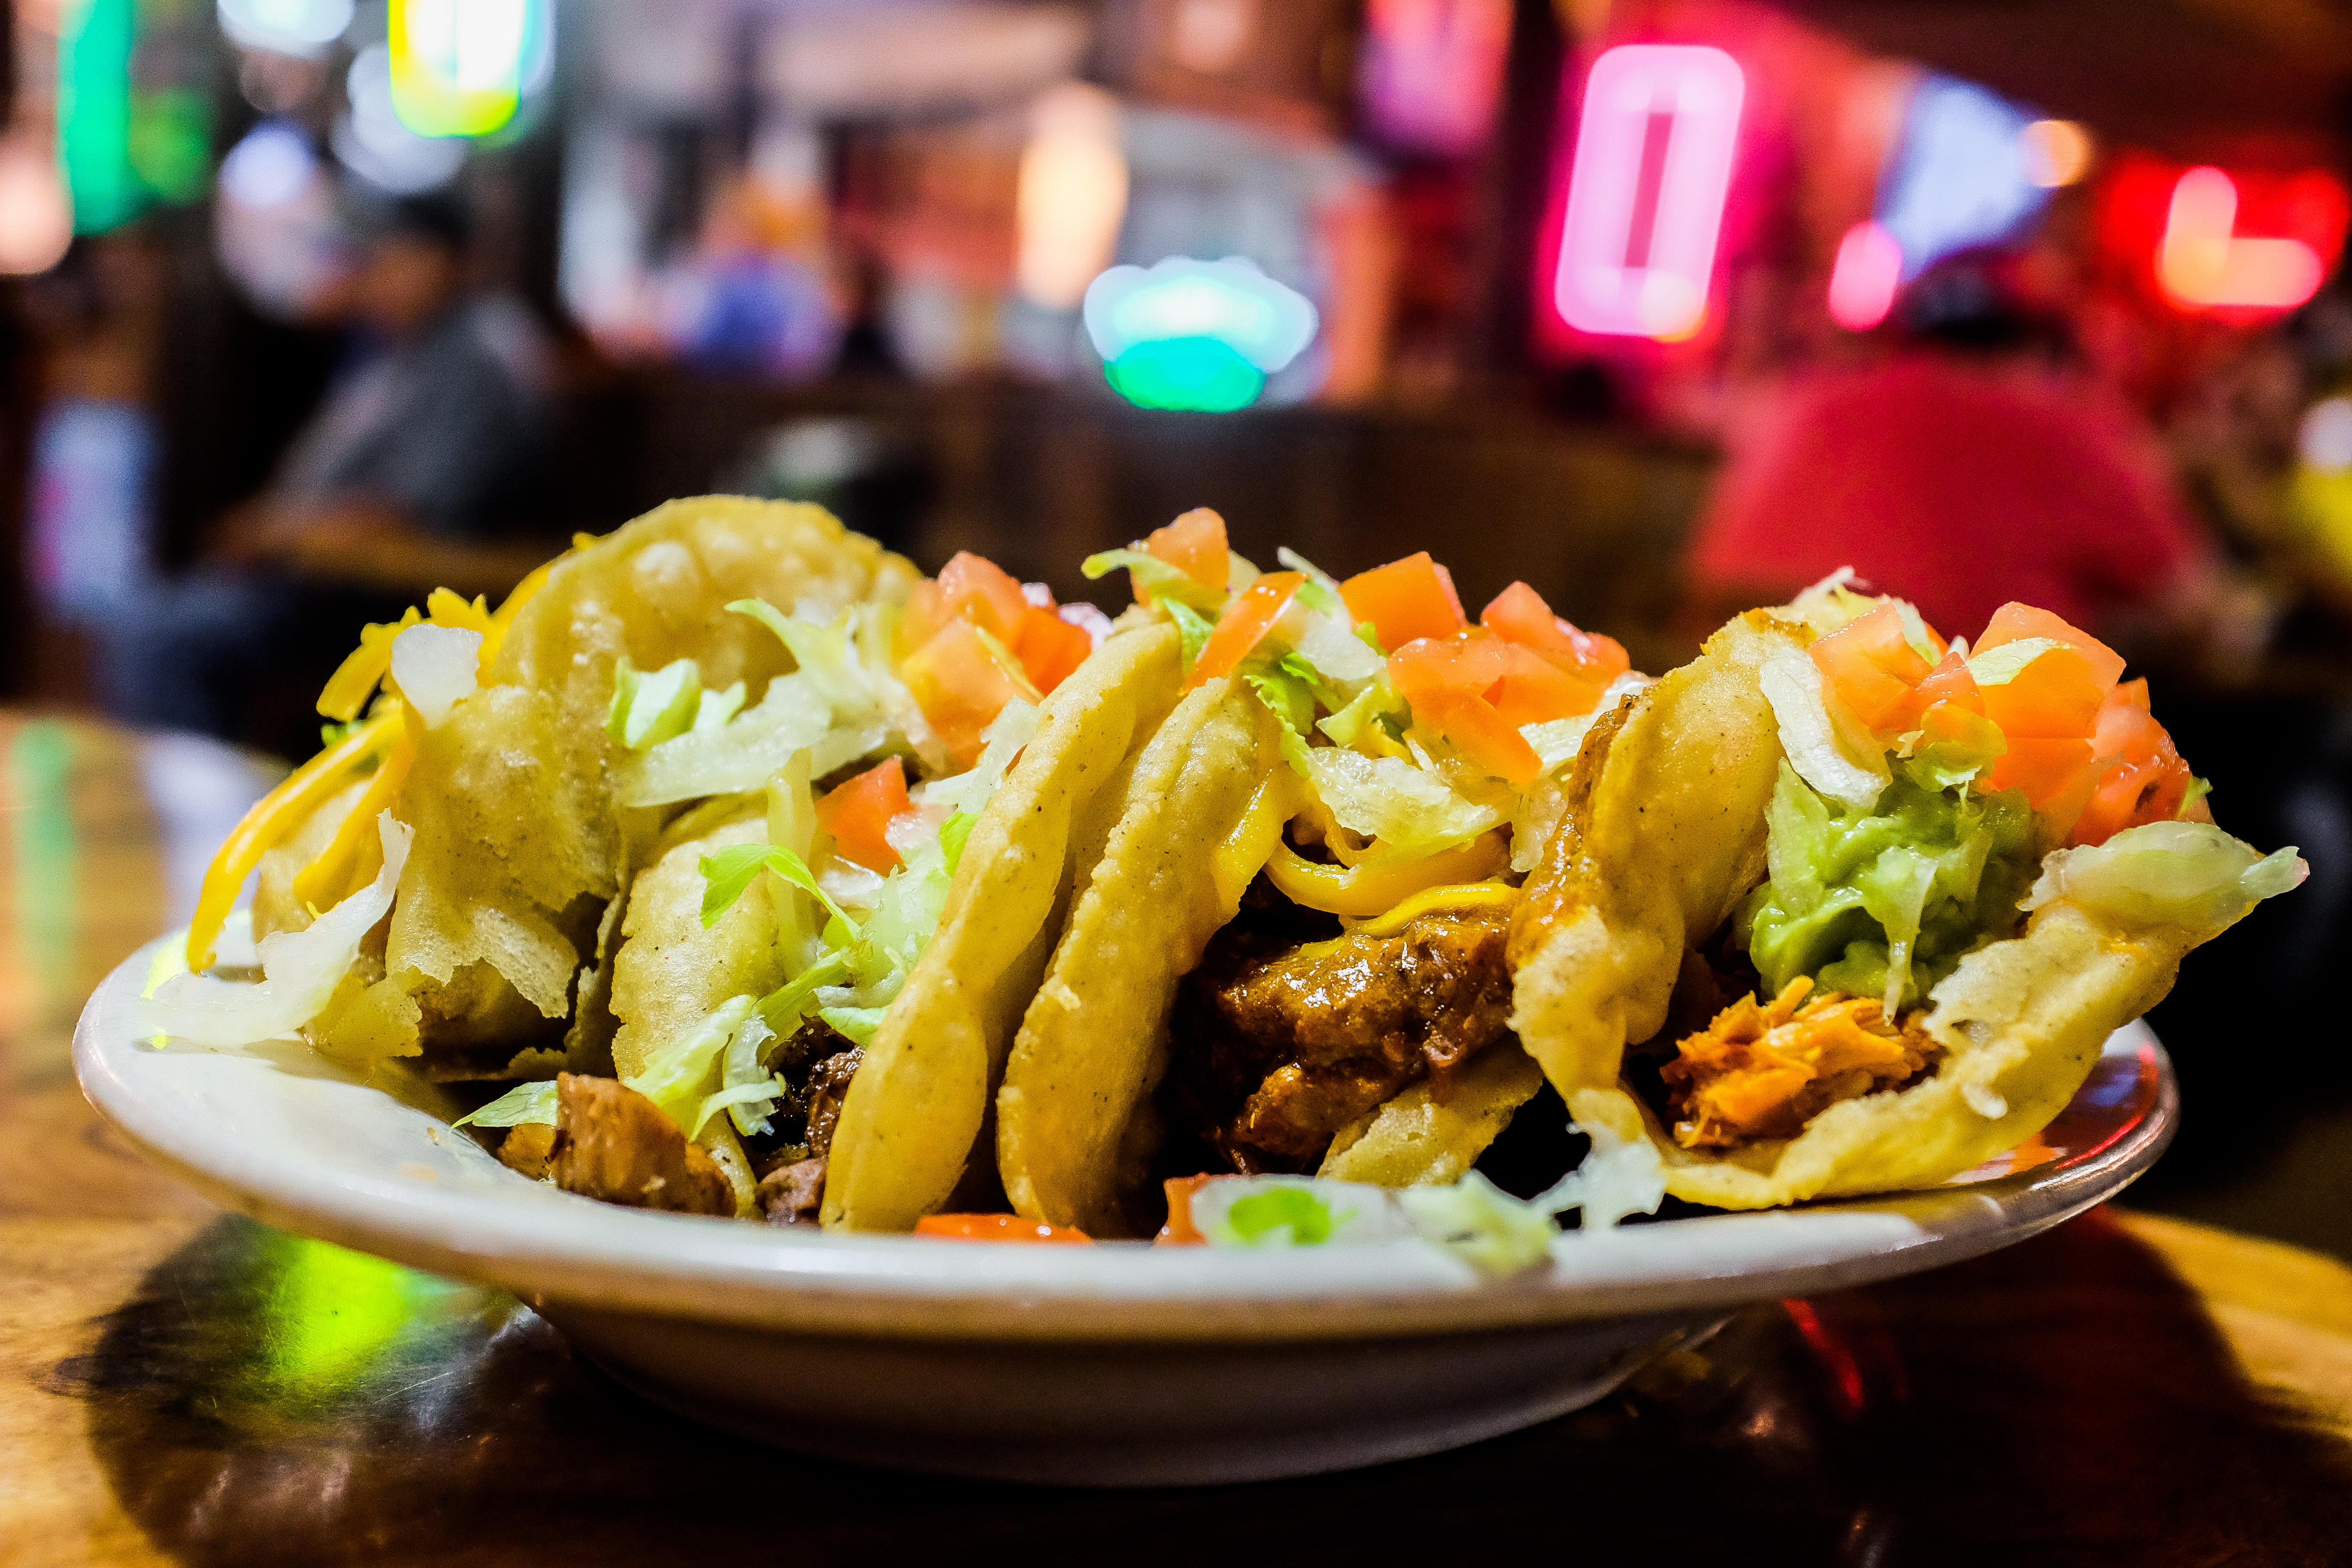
(1192, 630)
(1290, 699)
(2000, 665)
(954, 833)
(677, 1076)
(713, 710)
(1353, 725)
(1152, 578)
(1413, 811)
(855, 1024)
(1014, 726)
(782, 1008)
(435, 668)
(1831, 603)
(1885, 901)
(1331, 649)
(740, 755)
(743, 1068)
(300, 969)
(1824, 743)
(2168, 873)
(650, 708)
(1320, 592)
(726, 874)
(1476, 1221)
(1557, 741)
(523, 1102)
(757, 1099)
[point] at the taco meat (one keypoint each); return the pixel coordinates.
(614, 1144)
(1766, 1071)
(1282, 1044)
(790, 1192)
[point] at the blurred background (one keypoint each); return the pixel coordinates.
(309, 306)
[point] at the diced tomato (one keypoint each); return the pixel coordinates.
(961, 678)
(983, 593)
(1519, 614)
(1949, 681)
(2148, 781)
(1872, 668)
(969, 586)
(995, 1227)
(1049, 648)
(2055, 697)
(2048, 771)
(920, 619)
(1405, 600)
(1244, 625)
(1195, 545)
(1179, 1230)
(1477, 690)
(2013, 621)
(858, 815)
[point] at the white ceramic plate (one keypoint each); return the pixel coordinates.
(1114, 1364)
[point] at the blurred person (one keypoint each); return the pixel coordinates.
(411, 475)
(1964, 468)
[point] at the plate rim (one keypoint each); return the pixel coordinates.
(558, 1250)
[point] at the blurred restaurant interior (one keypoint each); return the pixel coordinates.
(1664, 306)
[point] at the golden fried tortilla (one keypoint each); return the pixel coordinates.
(520, 844)
(1073, 1119)
(1664, 835)
(917, 1109)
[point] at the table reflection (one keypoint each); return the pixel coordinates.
(261, 1395)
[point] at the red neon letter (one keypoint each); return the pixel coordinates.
(2203, 265)
(1645, 196)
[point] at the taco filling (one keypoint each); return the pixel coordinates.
(1923, 784)
(1373, 773)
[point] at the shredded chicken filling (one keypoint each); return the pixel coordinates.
(1765, 1070)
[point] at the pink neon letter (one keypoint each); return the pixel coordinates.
(1645, 196)
(2203, 265)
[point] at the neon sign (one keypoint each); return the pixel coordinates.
(1863, 280)
(1646, 197)
(1200, 335)
(2238, 243)
(2203, 264)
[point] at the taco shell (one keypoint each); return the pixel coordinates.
(1665, 833)
(917, 1109)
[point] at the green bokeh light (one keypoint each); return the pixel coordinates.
(94, 43)
(1200, 374)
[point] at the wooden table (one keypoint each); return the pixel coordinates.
(178, 1385)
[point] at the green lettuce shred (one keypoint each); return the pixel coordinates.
(651, 707)
(1191, 628)
(2168, 873)
(729, 873)
(1154, 581)
(523, 1102)
(1885, 901)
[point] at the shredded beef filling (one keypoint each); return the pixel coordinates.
(1282, 1044)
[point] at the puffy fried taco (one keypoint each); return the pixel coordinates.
(1840, 908)
(679, 819)
(1288, 954)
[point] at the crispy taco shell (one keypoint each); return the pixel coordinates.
(917, 1107)
(521, 847)
(1073, 1121)
(1665, 833)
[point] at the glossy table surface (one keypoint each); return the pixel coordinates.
(179, 1384)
